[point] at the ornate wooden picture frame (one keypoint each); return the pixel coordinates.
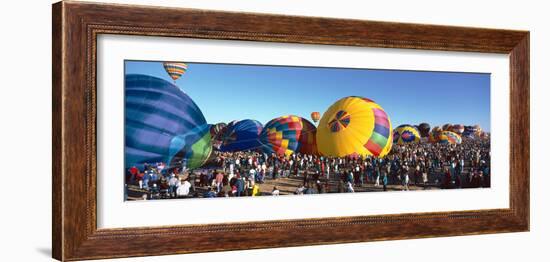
(76, 27)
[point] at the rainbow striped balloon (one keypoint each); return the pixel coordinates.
(448, 137)
(174, 69)
(281, 135)
(354, 126)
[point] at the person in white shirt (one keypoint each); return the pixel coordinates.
(275, 191)
(252, 172)
(183, 189)
(173, 184)
(300, 190)
(350, 187)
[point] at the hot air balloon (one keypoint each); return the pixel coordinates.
(222, 135)
(307, 143)
(175, 69)
(447, 127)
(354, 126)
(424, 129)
(471, 132)
(281, 135)
(477, 130)
(448, 137)
(458, 128)
(405, 134)
(191, 149)
(162, 124)
(216, 129)
(484, 135)
(434, 134)
(241, 136)
(315, 116)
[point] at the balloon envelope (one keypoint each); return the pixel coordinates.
(281, 135)
(405, 134)
(434, 134)
(424, 129)
(162, 124)
(241, 136)
(354, 126)
(307, 143)
(174, 69)
(448, 137)
(478, 130)
(458, 128)
(216, 129)
(315, 116)
(447, 127)
(471, 132)
(191, 149)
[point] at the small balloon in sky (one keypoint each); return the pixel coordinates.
(315, 116)
(175, 69)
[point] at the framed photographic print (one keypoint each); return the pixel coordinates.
(196, 131)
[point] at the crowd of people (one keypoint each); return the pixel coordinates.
(236, 174)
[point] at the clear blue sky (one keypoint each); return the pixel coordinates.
(227, 92)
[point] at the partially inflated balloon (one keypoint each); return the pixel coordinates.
(223, 134)
(281, 135)
(241, 136)
(162, 124)
(191, 149)
(477, 130)
(405, 134)
(216, 129)
(447, 127)
(470, 132)
(484, 135)
(424, 129)
(175, 69)
(458, 128)
(434, 134)
(448, 137)
(354, 126)
(307, 141)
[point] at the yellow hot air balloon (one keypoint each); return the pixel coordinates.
(354, 126)
(405, 134)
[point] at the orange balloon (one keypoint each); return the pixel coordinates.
(315, 116)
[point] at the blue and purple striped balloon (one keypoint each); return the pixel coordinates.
(163, 124)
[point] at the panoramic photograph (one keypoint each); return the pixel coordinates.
(208, 130)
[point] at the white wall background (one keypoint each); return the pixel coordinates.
(25, 129)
